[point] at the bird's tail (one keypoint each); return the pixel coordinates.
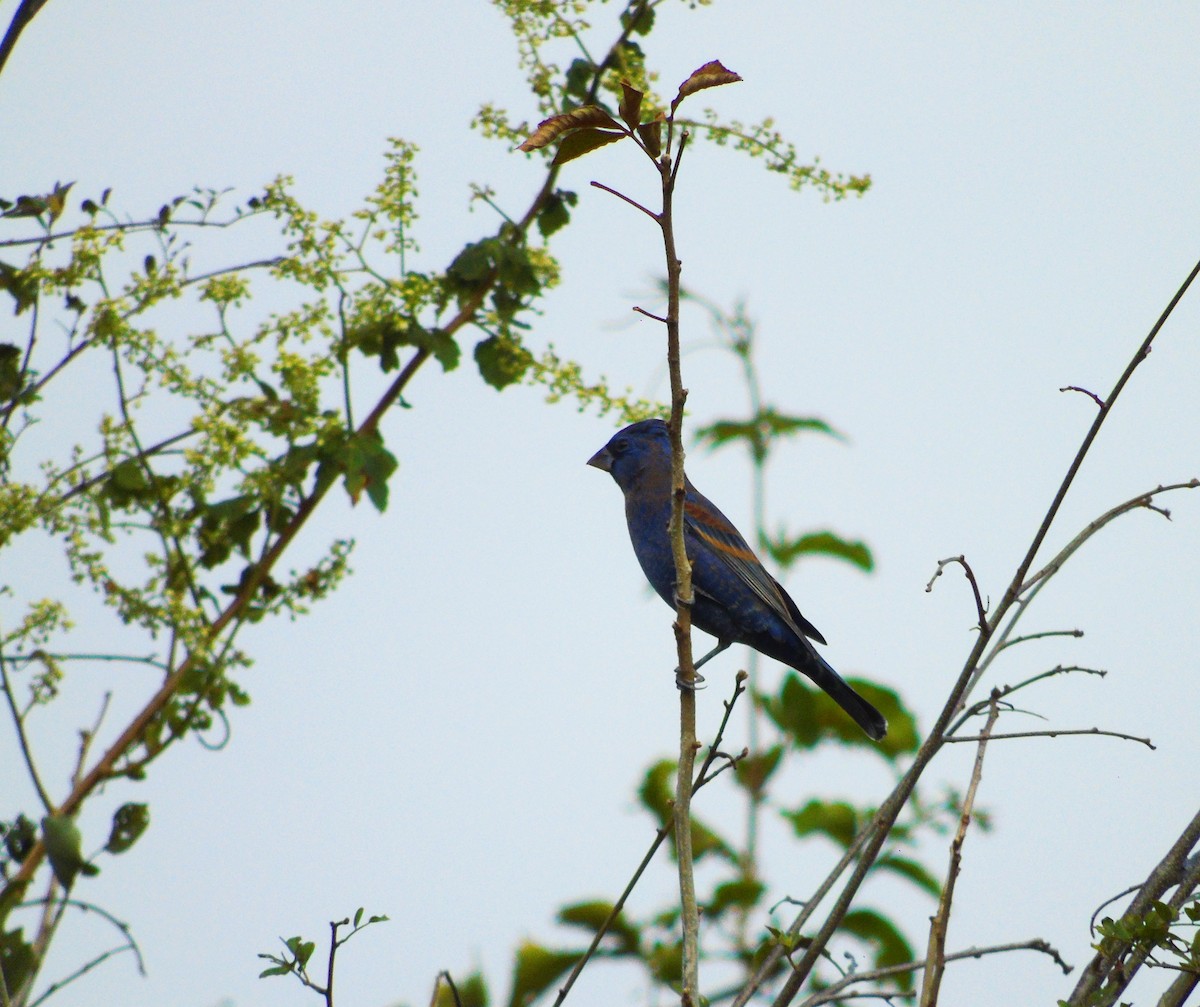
(862, 712)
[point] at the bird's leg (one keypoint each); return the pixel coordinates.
(721, 645)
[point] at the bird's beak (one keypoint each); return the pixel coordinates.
(601, 460)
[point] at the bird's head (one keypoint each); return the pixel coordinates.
(640, 449)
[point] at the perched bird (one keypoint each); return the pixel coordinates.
(736, 600)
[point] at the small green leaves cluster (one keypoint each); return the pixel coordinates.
(298, 952)
(764, 142)
(1165, 936)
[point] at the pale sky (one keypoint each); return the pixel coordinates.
(455, 738)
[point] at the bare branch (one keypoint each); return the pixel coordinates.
(873, 975)
(980, 608)
(935, 956)
(890, 809)
(1039, 636)
(1141, 500)
(650, 314)
(632, 202)
(1054, 733)
(1092, 395)
(1008, 690)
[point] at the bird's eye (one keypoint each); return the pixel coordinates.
(619, 446)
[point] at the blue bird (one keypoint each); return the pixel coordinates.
(736, 599)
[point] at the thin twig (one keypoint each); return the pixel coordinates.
(1008, 690)
(872, 975)
(650, 314)
(1141, 500)
(23, 738)
(659, 837)
(1092, 395)
(892, 806)
(632, 202)
(939, 925)
(1054, 733)
(980, 608)
(1039, 636)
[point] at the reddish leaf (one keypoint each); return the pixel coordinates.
(712, 74)
(651, 134)
(631, 104)
(551, 129)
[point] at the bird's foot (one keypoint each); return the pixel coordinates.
(689, 685)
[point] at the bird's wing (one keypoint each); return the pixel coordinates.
(713, 528)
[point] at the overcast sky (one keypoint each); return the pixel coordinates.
(455, 738)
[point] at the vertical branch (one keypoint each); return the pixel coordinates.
(935, 958)
(683, 598)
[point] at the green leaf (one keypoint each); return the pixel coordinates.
(536, 969)
(367, 465)
(129, 822)
(471, 992)
(554, 214)
(28, 206)
(584, 141)
(591, 916)
(301, 949)
(225, 525)
(809, 716)
(579, 78)
(785, 551)
(21, 284)
(657, 793)
(474, 262)
(837, 820)
(10, 371)
(755, 770)
(917, 873)
(642, 23)
(665, 962)
(761, 430)
(891, 947)
(744, 894)
(64, 847)
(19, 838)
(17, 958)
(502, 361)
(56, 201)
(384, 337)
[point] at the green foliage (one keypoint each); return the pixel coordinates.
(537, 969)
(808, 716)
(64, 847)
(889, 944)
(217, 436)
(298, 952)
(129, 822)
